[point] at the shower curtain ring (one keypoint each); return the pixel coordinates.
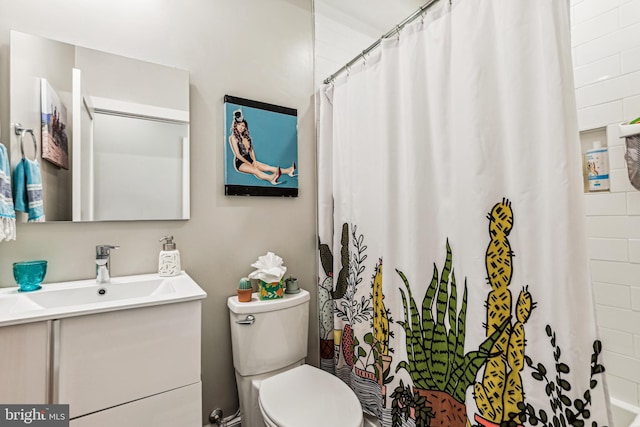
(364, 57)
(398, 29)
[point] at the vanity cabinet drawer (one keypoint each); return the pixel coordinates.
(108, 359)
(175, 408)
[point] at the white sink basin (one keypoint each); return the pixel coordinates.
(101, 293)
(66, 299)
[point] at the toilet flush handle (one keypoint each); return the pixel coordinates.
(248, 321)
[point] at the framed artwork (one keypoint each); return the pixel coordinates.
(53, 113)
(261, 149)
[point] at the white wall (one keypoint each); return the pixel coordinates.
(338, 39)
(255, 49)
(606, 55)
(343, 29)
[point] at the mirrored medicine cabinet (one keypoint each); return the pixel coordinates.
(126, 131)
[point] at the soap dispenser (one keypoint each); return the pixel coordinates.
(169, 259)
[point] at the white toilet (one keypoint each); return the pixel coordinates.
(275, 387)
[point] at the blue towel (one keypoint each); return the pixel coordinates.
(27, 189)
(7, 212)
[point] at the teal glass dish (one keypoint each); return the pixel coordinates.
(29, 274)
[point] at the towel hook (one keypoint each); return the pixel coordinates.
(21, 131)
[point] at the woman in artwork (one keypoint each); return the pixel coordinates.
(245, 157)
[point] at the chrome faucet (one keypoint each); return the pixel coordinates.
(102, 263)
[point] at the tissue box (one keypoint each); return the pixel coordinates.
(269, 291)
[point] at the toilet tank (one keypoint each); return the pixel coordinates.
(276, 338)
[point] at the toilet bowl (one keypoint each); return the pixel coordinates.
(309, 397)
(275, 387)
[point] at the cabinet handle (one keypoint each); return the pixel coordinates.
(248, 321)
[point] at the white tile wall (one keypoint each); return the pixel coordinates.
(590, 9)
(600, 115)
(623, 366)
(594, 28)
(630, 13)
(631, 60)
(634, 250)
(606, 49)
(619, 319)
(613, 295)
(619, 181)
(619, 273)
(612, 132)
(623, 389)
(635, 298)
(618, 342)
(606, 204)
(596, 49)
(630, 108)
(609, 90)
(608, 249)
(616, 157)
(623, 39)
(633, 222)
(606, 226)
(633, 203)
(601, 70)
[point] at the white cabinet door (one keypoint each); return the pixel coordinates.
(108, 359)
(24, 363)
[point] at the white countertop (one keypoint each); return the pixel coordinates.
(76, 298)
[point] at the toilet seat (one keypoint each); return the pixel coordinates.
(309, 397)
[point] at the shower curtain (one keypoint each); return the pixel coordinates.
(453, 282)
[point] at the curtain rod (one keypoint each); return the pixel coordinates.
(395, 30)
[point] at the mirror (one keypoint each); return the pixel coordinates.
(112, 133)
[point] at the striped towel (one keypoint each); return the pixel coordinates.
(27, 189)
(7, 212)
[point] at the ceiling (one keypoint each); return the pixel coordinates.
(380, 14)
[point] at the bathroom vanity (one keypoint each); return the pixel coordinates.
(125, 353)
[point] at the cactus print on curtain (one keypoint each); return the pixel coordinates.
(453, 285)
